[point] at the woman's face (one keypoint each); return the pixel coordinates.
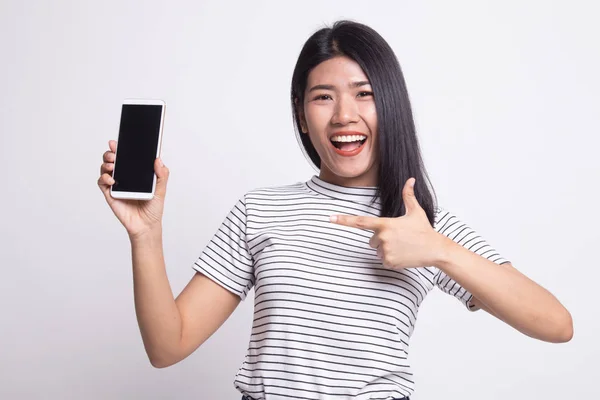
(340, 118)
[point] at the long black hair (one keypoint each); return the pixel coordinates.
(399, 151)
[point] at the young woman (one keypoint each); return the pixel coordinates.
(341, 262)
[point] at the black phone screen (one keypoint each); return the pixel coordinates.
(136, 148)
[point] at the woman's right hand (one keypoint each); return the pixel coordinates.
(137, 216)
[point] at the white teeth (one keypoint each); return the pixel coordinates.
(348, 138)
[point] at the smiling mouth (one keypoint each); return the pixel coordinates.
(348, 146)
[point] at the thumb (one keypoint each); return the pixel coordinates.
(162, 176)
(408, 195)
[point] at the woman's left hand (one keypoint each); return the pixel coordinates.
(408, 241)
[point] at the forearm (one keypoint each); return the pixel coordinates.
(507, 293)
(157, 314)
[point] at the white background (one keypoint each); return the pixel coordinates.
(506, 99)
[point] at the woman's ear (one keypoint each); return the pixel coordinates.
(300, 111)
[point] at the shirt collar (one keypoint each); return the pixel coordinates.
(360, 194)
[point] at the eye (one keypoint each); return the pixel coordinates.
(364, 94)
(323, 97)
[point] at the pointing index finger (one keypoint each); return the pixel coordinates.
(362, 222)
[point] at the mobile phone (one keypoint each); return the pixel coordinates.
(138, 145)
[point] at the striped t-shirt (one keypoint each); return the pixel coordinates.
(329, 320)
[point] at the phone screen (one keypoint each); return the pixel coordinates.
(136, 148)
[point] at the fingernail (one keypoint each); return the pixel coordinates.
(160, 162)
(333, 218)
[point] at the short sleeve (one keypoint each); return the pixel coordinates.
(451, 226)
(226, 259)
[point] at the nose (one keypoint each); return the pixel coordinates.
(346, 111)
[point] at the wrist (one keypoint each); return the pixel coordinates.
(148, 237)
(444, 249)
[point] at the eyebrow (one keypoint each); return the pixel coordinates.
(331, 87)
